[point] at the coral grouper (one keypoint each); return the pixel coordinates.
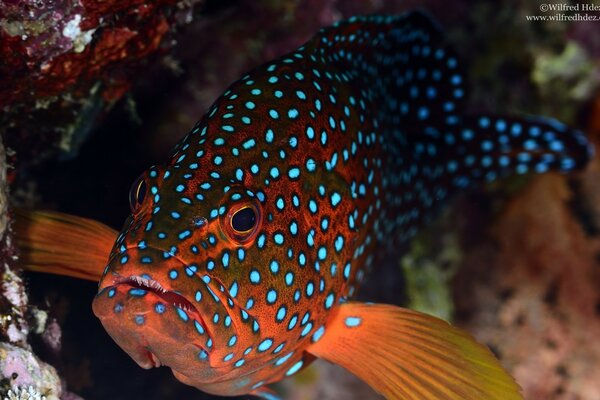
(242, 252)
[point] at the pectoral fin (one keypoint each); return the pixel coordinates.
(405, 354)
(63, 244)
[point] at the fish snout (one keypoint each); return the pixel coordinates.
(163, 312)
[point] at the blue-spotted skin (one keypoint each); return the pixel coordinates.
(343, 148)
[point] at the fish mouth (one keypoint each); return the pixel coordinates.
(150, 345)
(150, 285)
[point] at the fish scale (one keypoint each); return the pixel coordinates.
(237, 264)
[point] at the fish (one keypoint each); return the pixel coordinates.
(243, 252)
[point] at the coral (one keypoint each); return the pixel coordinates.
(530, 290)
(18, 365)
(427, 277)
(64, 63)
(18, 393)
(23, 369)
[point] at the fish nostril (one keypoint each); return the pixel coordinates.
(199, 222)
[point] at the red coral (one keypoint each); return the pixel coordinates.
(72, 45)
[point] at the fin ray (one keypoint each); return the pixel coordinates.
(63, 244)
(404, 354)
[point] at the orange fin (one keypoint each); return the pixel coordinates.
(63, 244)
(405, 354)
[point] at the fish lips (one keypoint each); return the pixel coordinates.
(158, 322)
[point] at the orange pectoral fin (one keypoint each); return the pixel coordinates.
(405, 354)
(63, 244)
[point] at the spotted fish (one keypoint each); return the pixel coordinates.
(242, 252)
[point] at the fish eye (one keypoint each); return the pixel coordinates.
(137, 194)
(243, 220)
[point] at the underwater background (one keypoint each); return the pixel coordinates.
(92, 93)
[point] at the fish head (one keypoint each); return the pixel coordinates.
(219, 273)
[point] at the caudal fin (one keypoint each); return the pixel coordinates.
(407, 355)
(488, 147)
(63, 244)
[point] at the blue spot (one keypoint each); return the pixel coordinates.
(283, 359)
(306, 329)
(139, 319)
(254, 276)
(500, 125)
(294, 173)
(310, 288)
(329, 301)
(293, 113)
(182, 314)
(335, 199)
(318, 334)
(233, 290)
(312, 206)
(225, 259)
(260, 242)
(274, 266)
(289, 278)
(339, 243)
(271, 296)
(248, 144)
(274, 114)
(322, 253)
(281, 313)
(137, 292)
(269, 136)
(232, 341)
(199, 327)
(173, 274)
(352, 322)
(294, 368)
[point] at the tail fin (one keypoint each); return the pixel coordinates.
(489, 147)
(63, 244)
(445, 159)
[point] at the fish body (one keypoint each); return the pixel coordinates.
(237, 264)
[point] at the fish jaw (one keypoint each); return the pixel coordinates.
(161, 320)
